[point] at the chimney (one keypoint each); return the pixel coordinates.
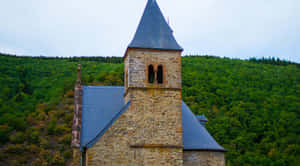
(76, 128)
(202, 119)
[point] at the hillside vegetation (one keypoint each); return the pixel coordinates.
(253, 106)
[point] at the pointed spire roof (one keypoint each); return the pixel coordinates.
(153, 31)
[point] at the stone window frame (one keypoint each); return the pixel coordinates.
(151, 75)
(155, 67)
(160, 73)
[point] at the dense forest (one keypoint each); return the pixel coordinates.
(253, 106)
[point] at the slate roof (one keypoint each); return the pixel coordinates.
(153, 31)
(102, 105)
(195, 135)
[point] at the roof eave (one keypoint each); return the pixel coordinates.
(162, 49)
(154, 49)
(210, 150)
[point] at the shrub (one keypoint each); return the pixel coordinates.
(44, 143)
(18, 123)
(55, 129)
(70, 107)
(14, 163)
(70, 93)
(45, 155)
(58, 160)
(67, 154)
(22, 160)
(53, 114)
(4, 130)
(66, 139)
(2, 156)
(37, 162)
(60, 129)
(68, 118)
(31, 119)
(16, 149)
(32, 149)
(18, 137)
(42, 116)
(34, 136)
(51, 127)
(61, 148)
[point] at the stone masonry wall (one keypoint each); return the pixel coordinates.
(138, 60)
(76, 127)
(157, 116)
(203, 158)
(150, 131)
(158, 106)
(113, 148)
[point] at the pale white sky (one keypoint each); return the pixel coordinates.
(230, 28)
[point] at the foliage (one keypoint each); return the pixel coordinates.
(253, 109)
(252, 105)
(273, 61)
(18, 137)
(18, 149)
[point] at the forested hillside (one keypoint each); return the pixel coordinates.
(253, 106)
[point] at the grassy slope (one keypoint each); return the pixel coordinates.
(253, 109)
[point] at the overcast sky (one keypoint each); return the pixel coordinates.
(230, 28)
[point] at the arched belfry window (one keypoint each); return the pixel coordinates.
(151, 74)
(160, 76)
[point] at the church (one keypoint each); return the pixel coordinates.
(145, 122)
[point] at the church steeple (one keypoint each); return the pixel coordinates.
(152, 70)
(153, 31)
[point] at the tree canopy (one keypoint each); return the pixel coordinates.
(252, 105)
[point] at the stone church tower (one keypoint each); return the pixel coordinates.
(153, 85)
(145, 122)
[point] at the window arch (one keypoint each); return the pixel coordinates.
(160, 76)
(151, 74)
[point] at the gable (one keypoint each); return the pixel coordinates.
(102, 105)
(99, 106)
